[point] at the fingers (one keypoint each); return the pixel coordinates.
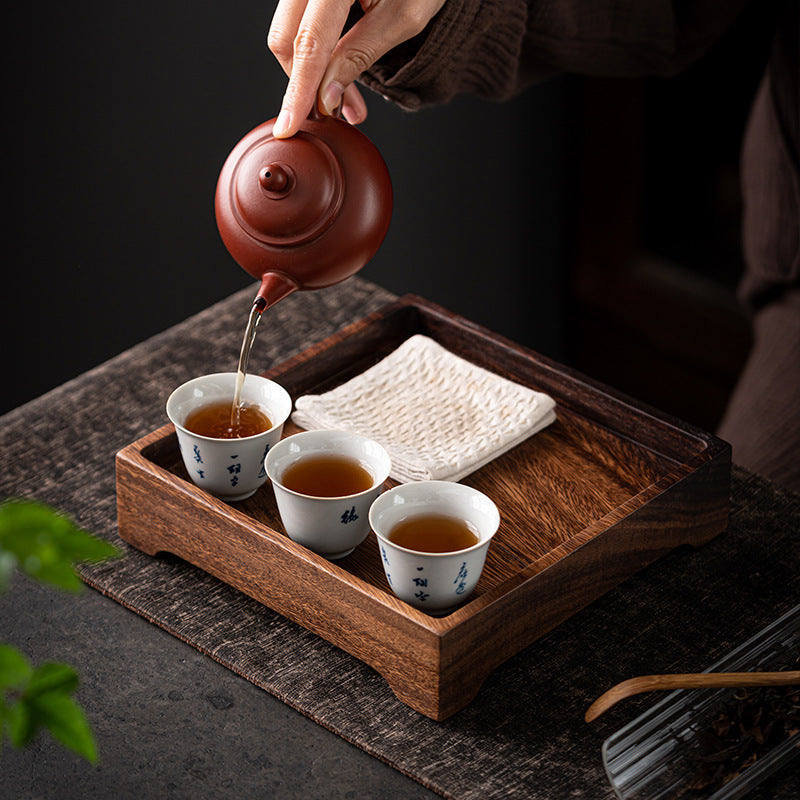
(282, 30)
(305, 38)
(313, 28)
(383, 26)
(353, 106)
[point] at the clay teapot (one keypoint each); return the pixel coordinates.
(304, 212)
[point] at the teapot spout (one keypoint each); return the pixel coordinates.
(274, 287)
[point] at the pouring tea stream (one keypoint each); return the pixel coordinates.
(301, 213)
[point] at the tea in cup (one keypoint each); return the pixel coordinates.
(225, 459)
(433, 538)
(324, 483)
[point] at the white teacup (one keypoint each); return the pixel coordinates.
(330, 526)
(433, 582)
(231, 469)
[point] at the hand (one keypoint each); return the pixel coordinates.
(306, 38)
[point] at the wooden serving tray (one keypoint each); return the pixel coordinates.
(602, 492)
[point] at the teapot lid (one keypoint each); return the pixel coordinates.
(284, 192)
(315, 206)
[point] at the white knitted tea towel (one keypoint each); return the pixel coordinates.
(438, 416)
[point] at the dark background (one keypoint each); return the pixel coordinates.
(123, 115)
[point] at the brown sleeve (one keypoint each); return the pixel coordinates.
(494, 48)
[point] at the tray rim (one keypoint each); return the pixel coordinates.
(442, 635)
(439, 626)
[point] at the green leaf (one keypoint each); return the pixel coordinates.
(15, 669)
(20, 723)
(52, 676)
(66, 721)
(46, 701)
(44, 544)
(60, 574)
(82, 546)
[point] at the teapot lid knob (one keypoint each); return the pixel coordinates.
(275, 179)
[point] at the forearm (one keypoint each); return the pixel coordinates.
(494, 48)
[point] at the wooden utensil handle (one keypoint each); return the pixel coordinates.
(699, 680)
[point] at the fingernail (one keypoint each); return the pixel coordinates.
(281, 124)
(332, 96)
(353, 115)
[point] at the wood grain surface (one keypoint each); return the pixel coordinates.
(605, 490)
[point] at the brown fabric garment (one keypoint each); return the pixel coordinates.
(770, 181)
(763, 431)
(762, 420)
(495, 48)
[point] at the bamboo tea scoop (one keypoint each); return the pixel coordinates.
(701, 680)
